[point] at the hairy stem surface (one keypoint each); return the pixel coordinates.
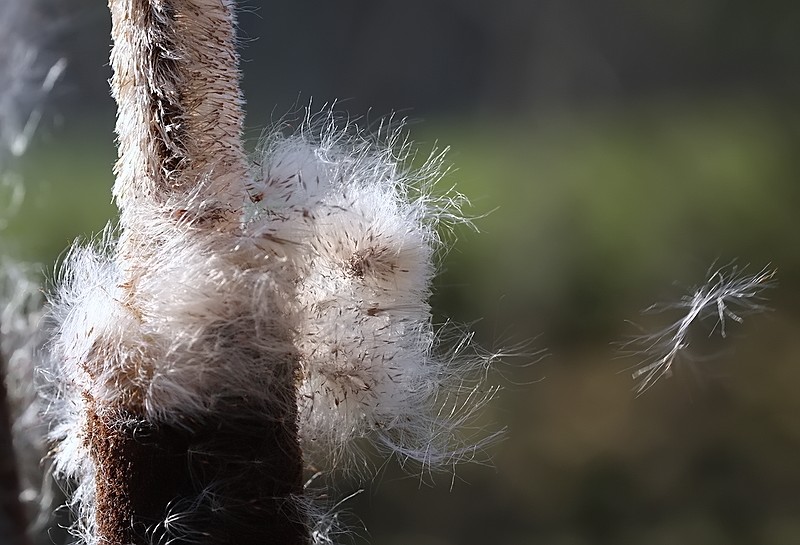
(179, 123)
(226, 480)
(233, 474)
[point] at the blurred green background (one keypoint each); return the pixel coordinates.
(613, 151)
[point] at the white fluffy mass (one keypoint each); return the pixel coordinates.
(329, 272)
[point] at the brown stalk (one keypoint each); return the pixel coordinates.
(231, 477)
(12, 512)
(179, 122)
(226, 480)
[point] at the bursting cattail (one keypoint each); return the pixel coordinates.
(246, 319)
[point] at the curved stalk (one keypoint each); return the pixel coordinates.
(232, 474)
(179, 123)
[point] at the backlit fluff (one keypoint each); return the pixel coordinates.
(20, 312)
(24, 78)
(728, 294)
(332, 265)
(328, 271)
(364, 249)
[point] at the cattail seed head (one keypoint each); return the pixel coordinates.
(243, 320)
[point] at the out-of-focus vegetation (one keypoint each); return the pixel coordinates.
(613, 153)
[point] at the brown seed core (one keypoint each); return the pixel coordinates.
(230, 480)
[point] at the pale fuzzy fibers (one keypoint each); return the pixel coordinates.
(329, 270)
(295, 284)
(20, 310)
(176, 83)
(728, 294)
(27, 75)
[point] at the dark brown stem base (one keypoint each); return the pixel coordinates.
(230, 480)
(13, 525)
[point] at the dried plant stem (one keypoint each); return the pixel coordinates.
(11, 508)
(176, 83)
(145, 471)
(232, 474)
(206, 351)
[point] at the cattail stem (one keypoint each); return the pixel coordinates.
(204, 343)
(179, 123)
(13, 520)
(232, 473)
(226, 480)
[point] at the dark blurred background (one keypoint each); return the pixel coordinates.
(613, 151)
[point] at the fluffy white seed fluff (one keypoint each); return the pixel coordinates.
(295, 286)
(329, 269)
(20, 340)
(176, 83)
(25, 78)
(728, 294)
(362, 233)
